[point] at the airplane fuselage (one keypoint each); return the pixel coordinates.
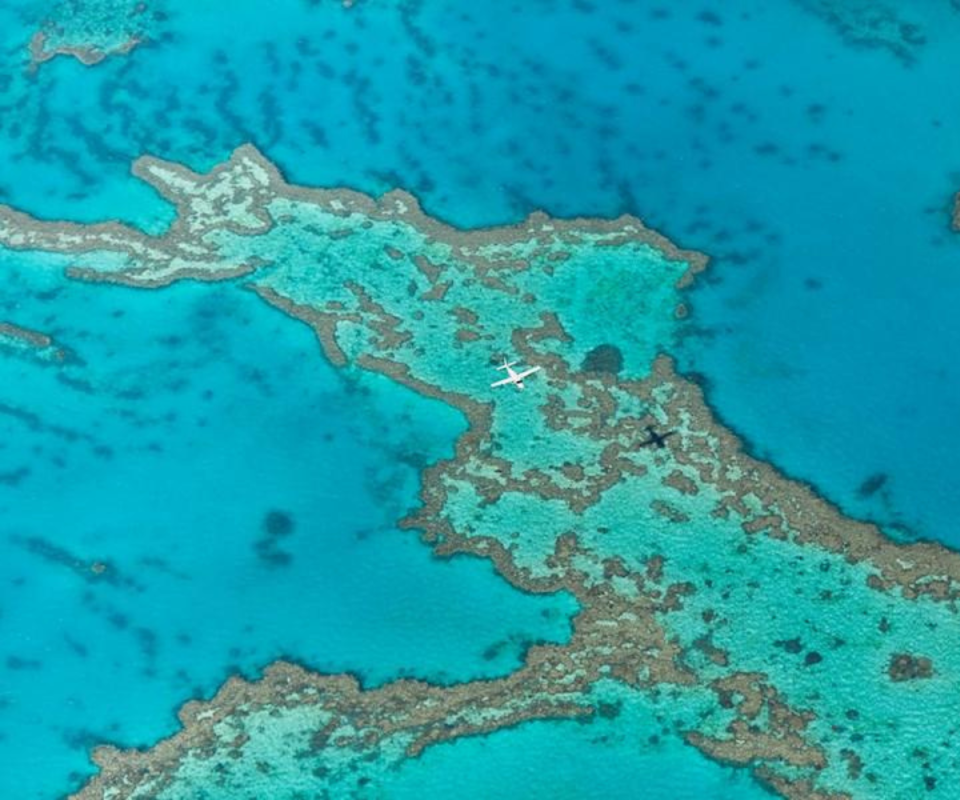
(513, 377)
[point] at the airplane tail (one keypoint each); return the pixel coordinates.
(506, 364)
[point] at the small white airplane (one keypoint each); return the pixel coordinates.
(516, 378)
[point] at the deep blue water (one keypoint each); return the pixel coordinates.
(817, 174)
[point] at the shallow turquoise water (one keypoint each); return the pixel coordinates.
(196, 413)
(631, 757)
(825, 329)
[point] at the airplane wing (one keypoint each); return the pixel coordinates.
(521, 375)
(504, 382)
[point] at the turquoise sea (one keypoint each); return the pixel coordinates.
(239, 495)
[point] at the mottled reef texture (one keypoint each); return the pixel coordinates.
(773, 632)
(867, 23)
(90, 30)
(32, 344)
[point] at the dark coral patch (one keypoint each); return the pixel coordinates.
(906, 667)
(609, 710)
(273, 556)
(793, 646)
(277, 523)
(603, 358)
(16, 663)
(872, 485)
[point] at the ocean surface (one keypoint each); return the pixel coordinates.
(199, 459)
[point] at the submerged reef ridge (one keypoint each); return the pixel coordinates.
(770, 631)
(32, 344)
(90, 30)
(871, 25)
